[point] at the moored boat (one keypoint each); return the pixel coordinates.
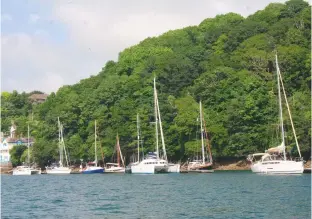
(92, 166)
(153, 162)
(61, 168)
(206, 162)
(274, 160)
(118, 167)
(26, 170)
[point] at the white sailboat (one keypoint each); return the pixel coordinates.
(274, 160)
(26, 169)
(92, 167)
(116, 167)
(153, 163)
(128, 168)
(205, 164)
(60, 169)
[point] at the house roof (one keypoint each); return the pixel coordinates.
(35, 97)
(21, 140)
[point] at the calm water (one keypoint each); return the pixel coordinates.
(215, 195)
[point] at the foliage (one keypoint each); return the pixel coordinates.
(227, 62)
(16, 155)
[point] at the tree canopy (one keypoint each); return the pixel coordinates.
(227, 62)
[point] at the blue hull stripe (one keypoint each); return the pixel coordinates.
(93, 171)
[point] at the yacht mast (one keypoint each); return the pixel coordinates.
(28, 146)
(60, 143)
(95, 143)
(207, 141)
(156, 118)
(138, 131)
(202, 132)
(120, 154)
(161, 130)
(280, 107)
(118, 150)
(288, 109)
(63, 145)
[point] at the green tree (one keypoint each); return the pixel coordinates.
(16, 155)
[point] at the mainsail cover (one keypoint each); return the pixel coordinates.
(278, 149)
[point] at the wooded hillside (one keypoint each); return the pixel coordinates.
(228, 62)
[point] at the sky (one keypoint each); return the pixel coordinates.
(51, 43)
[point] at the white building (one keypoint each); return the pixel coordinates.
(7, 143)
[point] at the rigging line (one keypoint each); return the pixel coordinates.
(197, 143)
(207, 141)
(291, 121)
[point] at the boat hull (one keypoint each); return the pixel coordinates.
(278, 167)
(174, 168)
(58, 171)
(115, 170)
(25, 171)
(93, 170)
(35, 172)
(149, 169)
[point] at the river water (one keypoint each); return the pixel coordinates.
(239, 194)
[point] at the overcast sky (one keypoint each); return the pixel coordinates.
(50, 43)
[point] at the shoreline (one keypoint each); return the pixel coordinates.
(218, 166)
(243, 165)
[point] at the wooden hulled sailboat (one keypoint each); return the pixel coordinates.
(118, 167)
(205, 163)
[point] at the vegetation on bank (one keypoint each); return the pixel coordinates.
(227, 62)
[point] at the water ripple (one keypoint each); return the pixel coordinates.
(217, 195)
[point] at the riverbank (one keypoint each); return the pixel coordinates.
(223, 165)
(240, 165)
(243, 165)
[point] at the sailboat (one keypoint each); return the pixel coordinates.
(133, 163)
(205, 164)
(116, 167)
(274, 160)
(153, 163)
(61, 168)
(92, 167)
(26, 169)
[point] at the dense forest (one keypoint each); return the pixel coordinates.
(227, 62)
